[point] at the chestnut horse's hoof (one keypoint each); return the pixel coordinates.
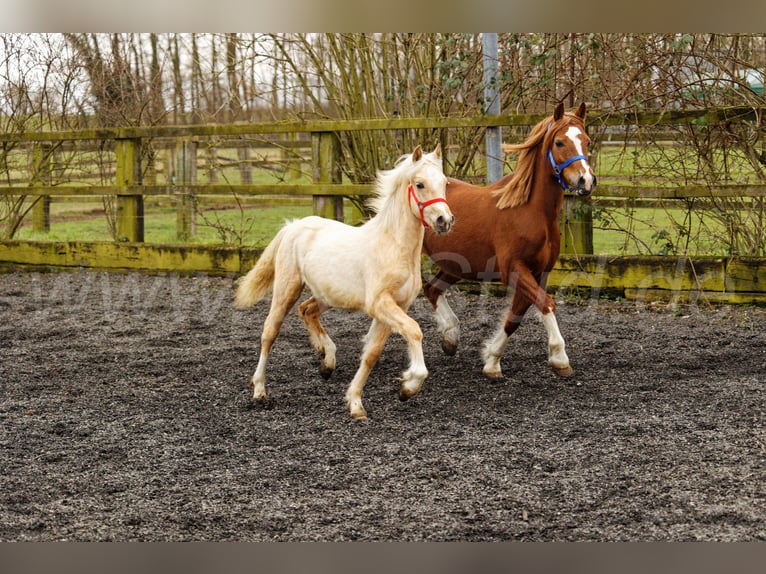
(449, 348)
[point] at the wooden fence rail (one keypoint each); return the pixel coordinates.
(730, 280)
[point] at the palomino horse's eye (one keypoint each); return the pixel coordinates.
(420, 185)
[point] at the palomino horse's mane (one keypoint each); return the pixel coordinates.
(388, 181)
(519, 187)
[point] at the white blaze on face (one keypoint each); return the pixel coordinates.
(574, 133)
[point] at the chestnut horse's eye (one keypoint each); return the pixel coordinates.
(559, 143)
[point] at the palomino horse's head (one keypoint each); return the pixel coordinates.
(427, 190)
(567, 151)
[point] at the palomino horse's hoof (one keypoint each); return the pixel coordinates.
(326, 372)
(563, 371)
(449, 348)
(494, 375)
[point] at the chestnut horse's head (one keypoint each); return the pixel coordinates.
(566, 147)
(559, 145)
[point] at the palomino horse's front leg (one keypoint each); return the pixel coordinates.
(374, 341)
(309, 311)
(387, 311)
(527, 292)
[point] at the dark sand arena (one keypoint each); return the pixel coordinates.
(124, 415)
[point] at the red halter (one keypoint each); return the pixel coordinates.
(421, 205)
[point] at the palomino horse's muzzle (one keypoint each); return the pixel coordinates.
(443, 222)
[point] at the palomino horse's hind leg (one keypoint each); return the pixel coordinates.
(374, 341)
(309, 311)
(447, 322)
(283, 299)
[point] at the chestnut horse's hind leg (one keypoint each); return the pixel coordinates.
(282, 301)
(309, 311)
(447, 322)
(528, 292)
(493, 348)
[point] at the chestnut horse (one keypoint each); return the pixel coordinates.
(509, 231)
(373, 268)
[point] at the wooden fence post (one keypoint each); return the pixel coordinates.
(186, 174)
(290, 158)
(130, 207)
(212, 162)
(41, 175)
(576, 225)
(326, 157)
(245, 169)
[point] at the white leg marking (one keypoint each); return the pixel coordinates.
(329, 353)
(416, 374)
(492, 351)
(259, 378)
(447, 322)
(557, 356)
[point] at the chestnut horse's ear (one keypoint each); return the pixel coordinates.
(417, 153)
(580, 113)
(558, 113)
(438, 151)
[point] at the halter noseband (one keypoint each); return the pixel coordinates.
(422, 205)
(558, 168)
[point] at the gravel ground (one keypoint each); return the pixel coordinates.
(124, 415)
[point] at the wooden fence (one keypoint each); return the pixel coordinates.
(735, 280)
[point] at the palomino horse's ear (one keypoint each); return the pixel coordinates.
(580, 113)
(417, 153)
(438, 151)
(558, 113)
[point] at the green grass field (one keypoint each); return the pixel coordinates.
(642, 230)
(254, 225)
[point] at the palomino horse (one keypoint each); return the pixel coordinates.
(373, 268)
(509, 231)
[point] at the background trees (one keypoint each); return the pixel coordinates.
(62, 81)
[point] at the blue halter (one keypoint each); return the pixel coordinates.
(559, 168)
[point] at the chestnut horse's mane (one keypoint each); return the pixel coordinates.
(519, 187)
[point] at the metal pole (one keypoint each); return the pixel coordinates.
(493, 135)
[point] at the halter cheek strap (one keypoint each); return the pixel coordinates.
(558, 168)
(422, 205)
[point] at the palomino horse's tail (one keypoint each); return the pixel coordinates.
(260, 279)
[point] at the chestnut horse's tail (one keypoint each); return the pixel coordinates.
(260, 279)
